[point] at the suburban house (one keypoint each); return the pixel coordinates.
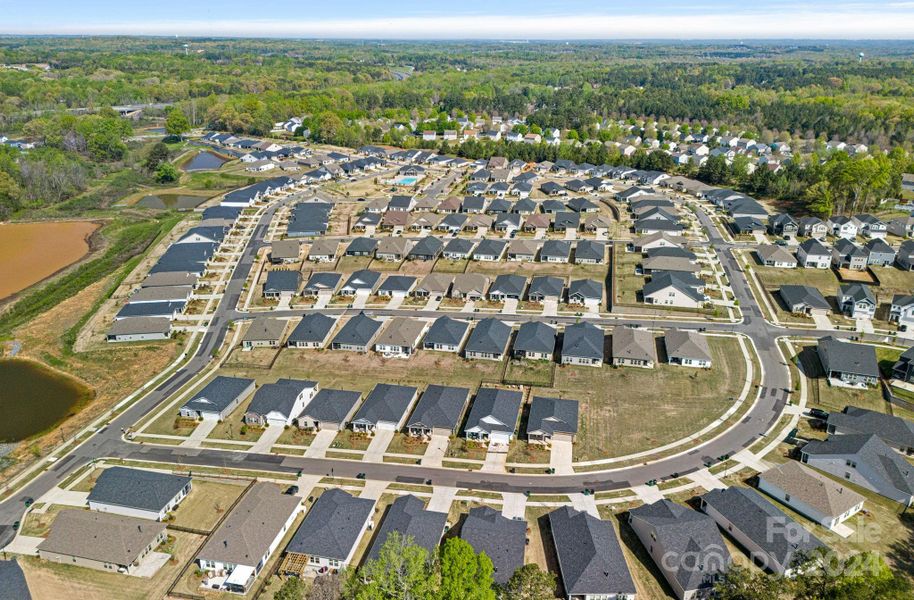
(687, 349)
(446, 335)
(590, 559)
(363, 281)
(522, 250)
(848, 364)
(812, 254)
(277, 404)
(902, 311)
(138, 493)
(804, 299)
(329, 535)
(534, 341)
(782, 224)
(865, 460)
(772, 255)
(811, 494)
(583, 344)
(856, 301)
(139, 329)
(102, 541)
(330, 409)
(670, 288)
(458, 249)
(428, 248)
(469, 286)
(813, 227)
(894, 431)
(684, 544)
(555, 251)
(218, 399)
(264, 332)
(546, 287)
(323, 250)
(438, 411)
(848, 255)
(361, 246)
(879, 253)
(502, 539)
(507, 287)
(408, 517)
(768, 536)
(903, 369)
(632, 347)
(312, 331)
(357, 335)
(489, 250)
(588, 252)
(285, 252)
(552, 419)
(656, 240)
(582, 291)
(870, 226)
(385, 408)
(904, 259)
(843, 227)
(488, 340)
(493, 416)
(281, 283)
(321, 282)
(400, 337)
(434, 285)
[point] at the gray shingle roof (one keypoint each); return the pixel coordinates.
(489, 336)
(589, 555)
(806, 295)
(218, 394)
(508, 285)
(589, 250)
(397, 283)
(691, 536)
(501, 538)
(459, 246)
(407, 515)
(427, 246)
(633, 344)
(754, 516)
(887, 471)
(555, 248)
(534, 336)
(683, 282)
(323, 280)
(282, 281)
(100, 536)
(583, 340)
(265, 329)
(586, 289)
(446, 330)
(546, 286)
(440, 407)
(814, 247)
(893, 430)
(846, 357)
(490, 247)
(813, 489)
(363, 280)
(386, 402)
(313, 327)
(686, 344)
(331, 406)
(332, 527)
(362, 245)
(358, 331)
(494, 409)
(13, 585)
(553, 415)
(136, 488)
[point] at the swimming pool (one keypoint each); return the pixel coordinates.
(406, 181)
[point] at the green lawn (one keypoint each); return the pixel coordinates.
(293, 436)
(835, 398)
(233, 428)
(407, 444)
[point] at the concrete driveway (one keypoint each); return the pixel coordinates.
(496, 458)
(323, 299)
(510, 307)
(560, 457)
(550, 307)
(320, 443)
(434, 454)
(361, 299)
(267, 439)
(379, 443)
(200, 433)
(515, 505)
(442, 497)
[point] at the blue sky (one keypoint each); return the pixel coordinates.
(504, 19)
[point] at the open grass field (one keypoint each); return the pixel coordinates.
(206, 504)
(680, 401)
(53, 580)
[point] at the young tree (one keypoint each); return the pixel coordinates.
(740, 583)
(530, 583)
(167, 173)
(465, 575)
(401, 571)
(176, 122)
(326, 587)
(156, 156)
(292, 588)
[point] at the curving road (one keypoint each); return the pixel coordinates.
(108, 442)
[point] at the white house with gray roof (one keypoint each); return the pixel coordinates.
(811, 494)
(279, 403)
(138, 493)
(438, 411)
(386, 407)
(357, 335)
(329, 409)
(804, 299)
(400, 337)
(894, 431)
(534, 341)
(493, 416)
(488, 340)
(848, 364)
(264, 332)
(684, 544)
(687, 349)
(633, 347)
(552, 419)
(583, 344)
(330, 533)
(591, 563)
(311, 332)
(446, 335)
(218, 399)
(321, 281)
(582, 291)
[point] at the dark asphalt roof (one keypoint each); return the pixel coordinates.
(363, 280)
(583, 340)
(362, 244)
(218, 394)
(136, 488)
(407, 515)
(150, 309)
(489, 335)
(446, 330)
(279, 396)
(814, 247)
(490, 247)
(494, 409)
(754, 516)
(313, 327)
(323, 280)
(358, 331)
(894, 430)
(534, 336)
(553, 415)
(589, 555)
(887, 471)
(385, 402)
(501, 538)
(586, 288)
(681, 281)
(589, 250)
(332, 527)
(331, 406)
(688, 535)
(510, 285)
(847, 357)
(282, 281)
(803, 294)
(546, 286)
(397, 283)
(559, 248)
(459, 246)
(440, 406)
(427, 246)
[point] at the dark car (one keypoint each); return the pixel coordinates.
(818, 413)
(293, 489)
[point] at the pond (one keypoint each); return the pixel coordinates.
(171, 201)
(33, 399)
(204, 161)
(30, 252)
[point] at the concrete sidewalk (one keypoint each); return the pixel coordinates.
(705, 479)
